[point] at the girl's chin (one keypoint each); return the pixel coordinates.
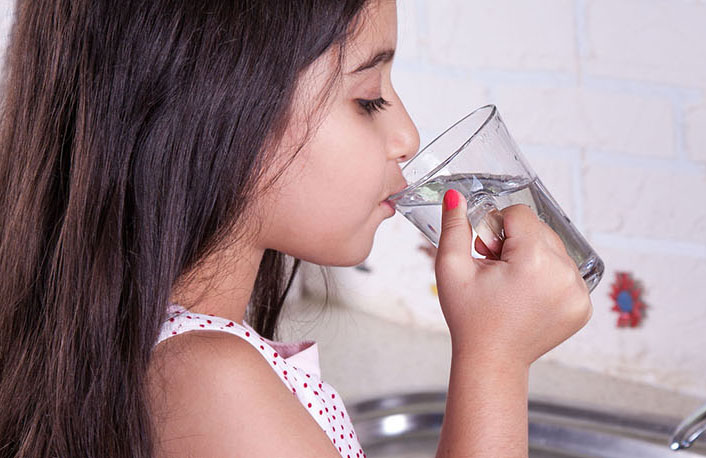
(348, 256)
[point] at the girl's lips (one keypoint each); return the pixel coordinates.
(388, 204)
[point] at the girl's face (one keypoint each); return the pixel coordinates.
(328, 203)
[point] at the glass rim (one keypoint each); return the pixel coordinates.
(419, 182)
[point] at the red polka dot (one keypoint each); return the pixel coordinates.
(341, 436)
(334, 440)
(339, 449)
(321, 412)
(334, 407)
(334, 428)
(316, 393)
(188, 316)
(274, 362)
(230, 325)
(351, 434)
(171, 319)
(208, 321)
(309, 405)
(305, 385)
(343, 415)
(275, 354)
(326, 409)
(261, 347)
(308, 376)
(319, 386)
(173, 333)
(247, 334)
(285, 372)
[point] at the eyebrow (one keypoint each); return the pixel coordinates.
(381, 57)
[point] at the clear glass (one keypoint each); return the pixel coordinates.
(478, 157)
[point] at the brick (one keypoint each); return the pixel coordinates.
(660, 41)
(589, 118)
(436, 101)
(503, 34)
(696, 132)
(673, 291)
(648, 202)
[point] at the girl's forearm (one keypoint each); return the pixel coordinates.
(486, 410)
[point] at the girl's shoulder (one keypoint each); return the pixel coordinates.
(286, 359)
(212, 393)
(231, 373)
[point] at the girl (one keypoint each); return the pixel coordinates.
(158, 162)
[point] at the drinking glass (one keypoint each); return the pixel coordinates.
(478, 157)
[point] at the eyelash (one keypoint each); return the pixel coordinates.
(373, 106)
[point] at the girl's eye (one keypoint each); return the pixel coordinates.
(372, 106)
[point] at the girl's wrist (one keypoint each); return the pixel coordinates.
(489, 361)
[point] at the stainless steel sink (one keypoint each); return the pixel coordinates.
(408, 426)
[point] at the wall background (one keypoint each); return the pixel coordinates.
(607, 99)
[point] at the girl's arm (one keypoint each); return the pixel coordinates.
(502, 314)
(486, 411)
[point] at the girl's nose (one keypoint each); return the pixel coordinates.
(404, 136)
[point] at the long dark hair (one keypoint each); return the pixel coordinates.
(132, 134)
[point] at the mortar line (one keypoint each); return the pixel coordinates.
(580, 38)
(650, 245)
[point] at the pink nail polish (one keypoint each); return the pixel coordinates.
(451, 199)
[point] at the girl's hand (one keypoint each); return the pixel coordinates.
(518, 307)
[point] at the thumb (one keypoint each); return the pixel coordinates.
(456, 235)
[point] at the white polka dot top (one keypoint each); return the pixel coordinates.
(296, 364)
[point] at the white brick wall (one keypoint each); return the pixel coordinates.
(502, 34)
(661, 41)
(696, 132)
(638, 200)
(588, 118)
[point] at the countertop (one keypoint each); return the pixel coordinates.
(364, 356)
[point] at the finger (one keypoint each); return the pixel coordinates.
(553, 239)
(523, 232)
(456, 234)
(520, 221)
(483, 250)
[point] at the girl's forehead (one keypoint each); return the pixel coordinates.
(376, 33)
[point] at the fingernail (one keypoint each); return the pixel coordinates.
(451, 199)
